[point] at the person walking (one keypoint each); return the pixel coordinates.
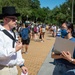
(64, 62)
(10, 49)
(25, 36)
(41, 34)
(43, 31)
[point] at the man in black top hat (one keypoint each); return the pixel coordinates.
(10, 56)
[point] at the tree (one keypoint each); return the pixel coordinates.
(35, 4)
(31, 10)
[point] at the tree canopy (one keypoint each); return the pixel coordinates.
(31, 10)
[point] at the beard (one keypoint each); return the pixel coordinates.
(11, 26)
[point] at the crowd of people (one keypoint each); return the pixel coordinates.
(15, 39)
(37, 31)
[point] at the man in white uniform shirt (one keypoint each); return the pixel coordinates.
(10, 55)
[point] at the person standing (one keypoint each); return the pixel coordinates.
(35, 33)
(64, 62)
(10, 50)
(58, 32)
(43, 31)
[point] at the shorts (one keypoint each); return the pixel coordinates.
(27, 41)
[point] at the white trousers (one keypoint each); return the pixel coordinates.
(8, 70)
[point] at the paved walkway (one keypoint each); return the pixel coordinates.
(38, 60)
(47, 67)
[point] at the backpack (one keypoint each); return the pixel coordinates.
(25, 33)
(35, 29)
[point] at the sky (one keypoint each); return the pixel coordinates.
(51, 3)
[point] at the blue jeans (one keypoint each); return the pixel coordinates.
(61, 69)
(70, 72)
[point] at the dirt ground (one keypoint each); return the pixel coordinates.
(37, 53)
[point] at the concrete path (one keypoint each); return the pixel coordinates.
(38, 60)
(47, 67)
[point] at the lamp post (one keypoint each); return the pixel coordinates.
(72, 10)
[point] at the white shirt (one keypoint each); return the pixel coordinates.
(1, 27)
(8, 54)
(54, 28)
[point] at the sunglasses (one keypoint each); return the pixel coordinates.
(12, 18)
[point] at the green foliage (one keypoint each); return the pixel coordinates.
(31, 10)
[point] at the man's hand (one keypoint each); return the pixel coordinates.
(18, 46)
(24, 69)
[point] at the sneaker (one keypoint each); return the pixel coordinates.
(26, 52)
(42, 41)
(22, 52)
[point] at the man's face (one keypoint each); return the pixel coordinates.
(11, 20)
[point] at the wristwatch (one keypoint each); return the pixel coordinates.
(71, 60)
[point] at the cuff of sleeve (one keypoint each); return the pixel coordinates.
(14, 50)
(22, 65)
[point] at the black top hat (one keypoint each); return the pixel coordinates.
(9, 11)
